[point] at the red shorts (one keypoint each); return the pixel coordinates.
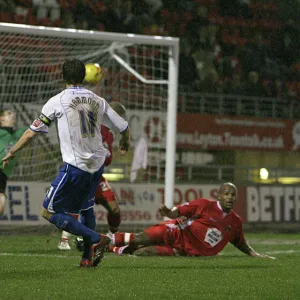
(168, 235)
(104, 192)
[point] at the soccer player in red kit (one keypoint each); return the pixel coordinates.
(105, 195)
(201, 227)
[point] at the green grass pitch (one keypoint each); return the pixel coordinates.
(33, 268)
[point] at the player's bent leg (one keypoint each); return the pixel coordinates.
(88, 219)
(106, 197)
(77, 183)
(143, 239)
(70, 224)
(2, 203)
(125, 238)
(113, 216)
(155, 251)
(98, 241)
(65, 237)
(46, 214)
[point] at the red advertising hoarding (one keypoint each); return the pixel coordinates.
(220, 132)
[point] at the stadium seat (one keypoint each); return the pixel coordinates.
(31, 18)
(20, 19)
(101, 27)
(5, 16)
(165, 14)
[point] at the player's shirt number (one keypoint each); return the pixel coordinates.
(87, 123)
(213, 236)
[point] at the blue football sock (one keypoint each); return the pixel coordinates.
(88, 219)
(70, 224)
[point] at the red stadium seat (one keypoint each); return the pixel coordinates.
(101, 27)
(187, 16)
(45, 22)
(100, 7)
(20, 19)
(5, 16)
(57, 23)
(165, 14)
(181, 29)
(31, 18)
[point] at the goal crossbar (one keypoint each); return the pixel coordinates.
(89, 34)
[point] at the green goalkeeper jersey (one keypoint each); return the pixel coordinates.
(7, 140)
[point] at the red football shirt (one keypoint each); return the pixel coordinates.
(207, 229)
(107, 141)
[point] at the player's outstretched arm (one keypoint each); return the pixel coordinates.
(245, 248)
(22, 142)
(124, 141)
(170, 213)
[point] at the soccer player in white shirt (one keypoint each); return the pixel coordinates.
(79, 113)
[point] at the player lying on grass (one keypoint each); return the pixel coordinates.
(206, 228)
(79, 114)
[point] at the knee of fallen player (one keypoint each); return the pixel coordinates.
(2, 203)
(46, 214)
(142, 239)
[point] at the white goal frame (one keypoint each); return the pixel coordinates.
(172, 82)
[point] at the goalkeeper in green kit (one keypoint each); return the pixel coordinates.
(8, 137)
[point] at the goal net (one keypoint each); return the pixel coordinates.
(139, 71)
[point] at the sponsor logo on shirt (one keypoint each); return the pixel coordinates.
(37, 123)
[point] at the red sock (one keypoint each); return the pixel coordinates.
(122, 250)
(122, 238)
(119, 250)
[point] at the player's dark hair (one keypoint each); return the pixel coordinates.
(227, 184)
(73, 71)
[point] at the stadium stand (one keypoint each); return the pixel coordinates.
(247, 48)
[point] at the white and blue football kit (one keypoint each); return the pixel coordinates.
(79, 114)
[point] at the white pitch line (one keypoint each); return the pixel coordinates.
(37, 255)
(283, 252)
(291, 251)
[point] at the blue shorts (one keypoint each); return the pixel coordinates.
(72, 190)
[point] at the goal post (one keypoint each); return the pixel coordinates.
(31, 57)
